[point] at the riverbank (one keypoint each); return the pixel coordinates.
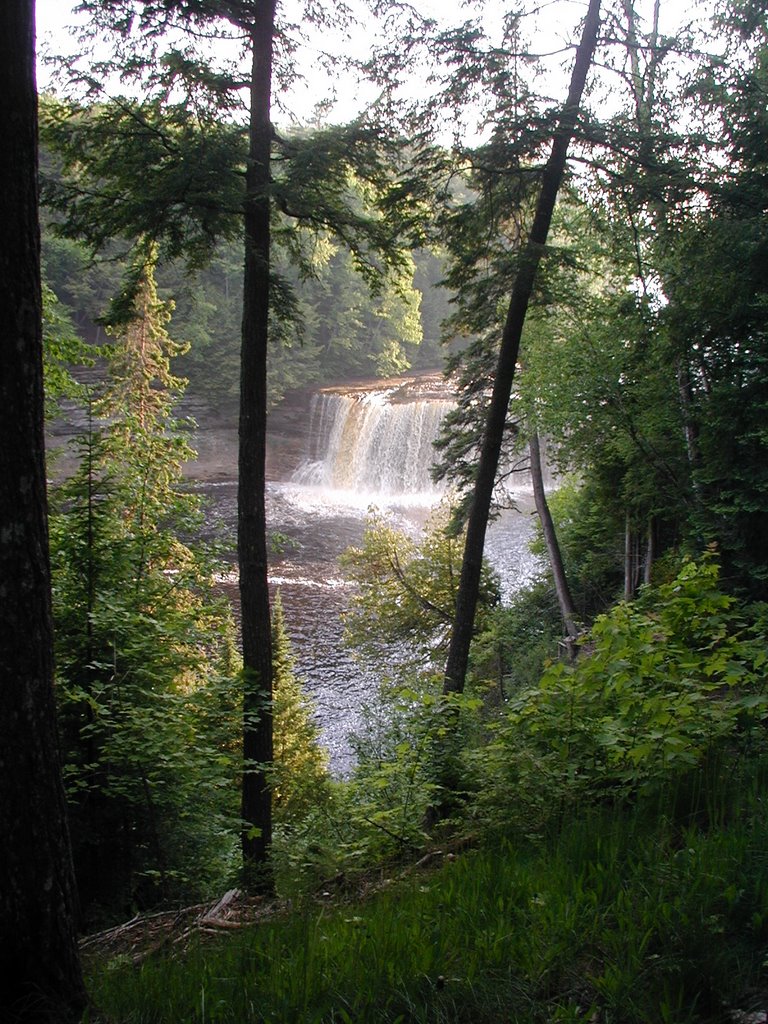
(318, 519)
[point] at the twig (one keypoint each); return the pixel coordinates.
(211, 916)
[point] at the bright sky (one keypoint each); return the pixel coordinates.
(550, 29)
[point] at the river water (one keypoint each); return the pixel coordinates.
(362, 448)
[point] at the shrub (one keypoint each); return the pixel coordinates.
(662, 687)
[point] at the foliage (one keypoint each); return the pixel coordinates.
(393, 782)
(662, 685)
(62, 350)
(728, 396)
(378, 813)
(509, 653)
(375, 815)
(328, 321)
(644, 360)
(83, 286)
(173, 149)
(144, 649)
(406, 592)
(357, 334)
(644, 364)
(300, 777)
(326, 325)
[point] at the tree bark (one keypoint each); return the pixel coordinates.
(40, 978)
(650, 552)
(564, 599)
(252, 527)
(461, 637)
(631, 559)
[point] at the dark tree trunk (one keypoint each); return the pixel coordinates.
(40, 979)
(466, 603)
(564, 599)
(252, 529)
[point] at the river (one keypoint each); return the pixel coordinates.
(352, 448)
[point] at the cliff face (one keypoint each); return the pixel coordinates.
(288, 425)
(214, 438)
(215, 435)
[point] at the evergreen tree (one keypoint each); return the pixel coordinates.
(300, 775)
(144, 651)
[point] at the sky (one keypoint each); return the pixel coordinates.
(550, 30)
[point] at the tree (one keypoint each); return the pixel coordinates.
(653, 390)
(352, 332)
(39, 966)
(325, 323)
(251, 507)
(143, 647)
(300, 780)
(254, 23)
(485, 478)
(562, 589)
(192, 191)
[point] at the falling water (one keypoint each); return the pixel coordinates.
(364, 445)
(365, 442)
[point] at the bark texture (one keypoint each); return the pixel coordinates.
(466, 603)
(40, 979)
(563, 591)
(252, 542)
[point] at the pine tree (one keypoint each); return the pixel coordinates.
(300, 777)
(40, 977)
(143, 647)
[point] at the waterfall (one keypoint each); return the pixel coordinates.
(365, 442)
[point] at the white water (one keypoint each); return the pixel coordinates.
(364, 447)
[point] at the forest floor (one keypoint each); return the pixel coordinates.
(147, 934)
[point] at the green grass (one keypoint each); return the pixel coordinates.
(622, 917)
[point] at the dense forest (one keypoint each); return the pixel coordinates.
(556, 809)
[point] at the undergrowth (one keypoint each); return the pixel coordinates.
(622, 916)
(620, 867)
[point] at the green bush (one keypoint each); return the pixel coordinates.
(510, 652)
(662, 686)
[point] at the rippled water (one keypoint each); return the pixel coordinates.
(319, 525)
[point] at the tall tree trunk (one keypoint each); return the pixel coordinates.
(40, 979)
(466, 603)
(690, 431)
(252, 529)
(631, 559)
(564, 599)
(628, 588)
(650, 551)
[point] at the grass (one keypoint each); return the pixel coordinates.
(623, 916)
(652, 909)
